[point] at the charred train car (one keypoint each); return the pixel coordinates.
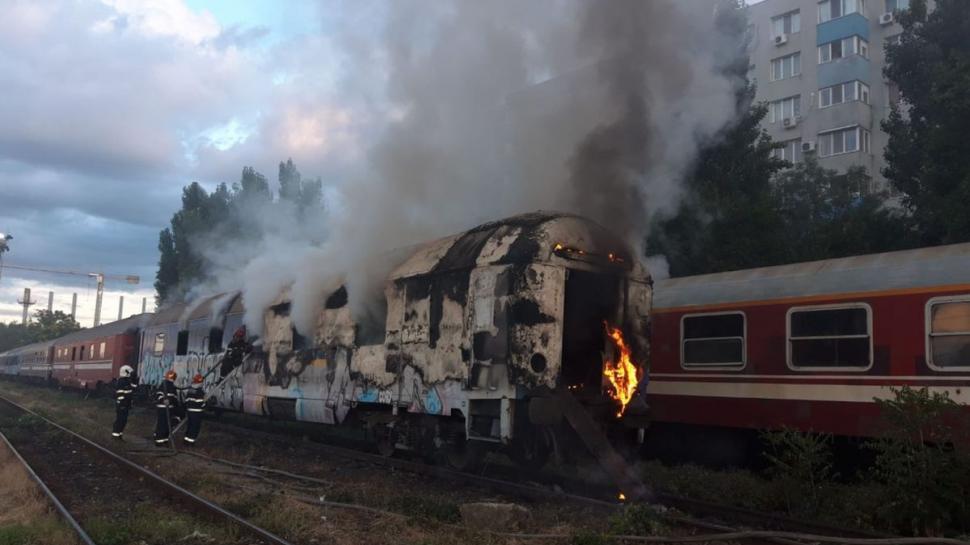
(480, 331)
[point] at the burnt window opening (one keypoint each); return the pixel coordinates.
(372, 324)
(590, 300)
(215, 340)
(159, 345)
(73, 353)
(337, 299)
(182, 344)
(282, 309)
(299, 341)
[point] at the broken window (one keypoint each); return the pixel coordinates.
(159, 345)
(830, 337)
(713, 340)
(299, 341)
(182, 344)
(949, 333)
(214, 340)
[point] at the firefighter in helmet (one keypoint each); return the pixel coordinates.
(238, 348)
(194, 405)
(166, 408)
(124, 389)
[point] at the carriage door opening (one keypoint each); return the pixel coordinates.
(591, 299)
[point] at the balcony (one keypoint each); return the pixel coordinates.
(848, 25)
(853, 67)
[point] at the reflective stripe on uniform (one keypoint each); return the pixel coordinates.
(195, 410)
(161, 441)
(115, 434)
(189, 439)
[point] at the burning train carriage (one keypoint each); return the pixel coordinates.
(191, 338)
(480, 329)
(809, 345)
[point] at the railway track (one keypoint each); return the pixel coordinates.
(723, 519)
(89, 484)
(540, 487)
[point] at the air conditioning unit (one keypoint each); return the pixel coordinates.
(789, 122)
(782, 39)
(886, 18)
(808, 147)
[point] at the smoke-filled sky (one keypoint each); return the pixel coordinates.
(422, 117)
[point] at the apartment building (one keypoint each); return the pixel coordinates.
(818, 64)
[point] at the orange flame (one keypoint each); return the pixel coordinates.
(622, 373)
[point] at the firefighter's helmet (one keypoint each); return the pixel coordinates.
(240, 332)
(197, 379)
(125, 371)
(170, 375)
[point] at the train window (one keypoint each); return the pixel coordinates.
(103, 346)
(948, 332)
(713, 340)
(830, 338)
(159, 344)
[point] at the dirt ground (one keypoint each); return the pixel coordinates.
(373, 504)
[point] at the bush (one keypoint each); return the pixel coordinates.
(921, 459)
(801, 464)
(637, 520)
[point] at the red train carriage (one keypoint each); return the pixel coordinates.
(92, 357)
(810, 345)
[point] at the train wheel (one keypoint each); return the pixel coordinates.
(385, 441)
(464, 455)
(532, 450)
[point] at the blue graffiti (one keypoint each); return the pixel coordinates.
(432, 401)
(368, 396)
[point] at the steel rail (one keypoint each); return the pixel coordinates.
(50, 495)
(162, 482)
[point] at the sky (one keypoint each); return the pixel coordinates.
(111, 106)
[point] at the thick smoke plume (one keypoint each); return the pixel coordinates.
(502, 107)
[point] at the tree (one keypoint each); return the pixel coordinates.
(928, 154)
(45, 326)
(167, 277)
(827, 214)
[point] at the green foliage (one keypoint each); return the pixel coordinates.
(589, 538)
(637, 520)
(426, 507)
(923, 463)
(801, 463)
(225, 221)
(44, 327)
(928, 154)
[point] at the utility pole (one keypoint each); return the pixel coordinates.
(50, 301)
(100, 277)
(121, 307)
(74, 306)
(26, 302)
(144, 301)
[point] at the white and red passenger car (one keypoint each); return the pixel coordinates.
(810, 345)
(91, 358)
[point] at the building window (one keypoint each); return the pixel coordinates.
(786, 108)
(845, 140)
(159, 346)
(789, 23)
(833, 9)
(791, 151)
(895, 5)
(830, 337)
(786, 67)
(948, 332)
(853, 45)
(843, 92)
(711, 340)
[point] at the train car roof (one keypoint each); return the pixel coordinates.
(106, 330)
(223, 303)
(541, 237)
(920, 268)
(27, 348)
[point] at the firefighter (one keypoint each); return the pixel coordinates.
(125, 388)
(238, 348)
(166, 407)
(194, 405)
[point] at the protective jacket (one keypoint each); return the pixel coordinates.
(124, 390)
(167, 396)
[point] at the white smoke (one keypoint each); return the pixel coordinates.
(502, 107)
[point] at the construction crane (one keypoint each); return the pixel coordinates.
(100, 277)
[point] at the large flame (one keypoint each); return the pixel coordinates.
(621, 373)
